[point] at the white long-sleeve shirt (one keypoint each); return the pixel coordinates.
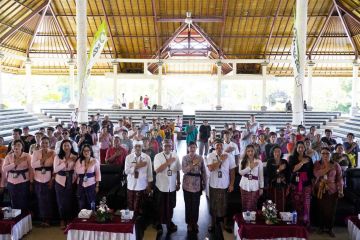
(257, 172)
(145, 174)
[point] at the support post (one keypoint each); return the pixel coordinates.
(301, 28)
(160, 83)
(310, 67)
(2, 104)
(81, 25)
(354, 89)
(218, 87)
(115, 86)
(29, 87)
(263, 96)
(71, 64)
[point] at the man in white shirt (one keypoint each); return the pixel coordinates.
(245, 138)
(144, 126)
(167, 167)
(254, 125)
(231, 147)
(138, 169)
(120, 126)
(74, 116)
(222, 176)
(65, 135)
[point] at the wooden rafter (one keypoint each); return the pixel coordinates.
(340, 5)
(225, 6)
(347, 30)
(317, 40)
(37, 28)
(156, 28)
(22, 22)
(58, 26)
(272, 27)
(110, 32)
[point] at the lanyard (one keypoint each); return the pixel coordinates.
(167, 159)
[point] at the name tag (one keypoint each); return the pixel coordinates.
(250, 177)
(169, 173)
(325, 177)
(43, 171)
(219, 174)
(278, 180)
(297, 179)
(136, 174)
(85, 178)
(15, 175)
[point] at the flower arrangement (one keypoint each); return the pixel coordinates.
(103, 213)
(269, 212)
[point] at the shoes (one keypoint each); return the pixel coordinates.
(171, 228)
(331, 233)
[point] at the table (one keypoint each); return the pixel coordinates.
(260, 230)
(89, 229)
(15, 228)
(353, 227)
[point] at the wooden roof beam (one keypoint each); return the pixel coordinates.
(225, 6)
(347, 30)
(341, 6)
(272, 27)
(37, 28)
(22, 22)
(204, 20)
(321, 31)
(58, 26)
(175, 35)
(153, 4)
(108, 25)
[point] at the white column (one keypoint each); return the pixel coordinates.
(309, 84)
(81, 43)
(263, 96)
(160, 83)
(2, 105)
(115, 85)
(29, 87)
(354, 89)
(72, 83)
(301, 27)
(218, 87)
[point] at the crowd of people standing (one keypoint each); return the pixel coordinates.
(288, 166)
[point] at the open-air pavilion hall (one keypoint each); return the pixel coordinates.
(179, 119)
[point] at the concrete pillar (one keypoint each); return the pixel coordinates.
(301, 28)
(2, 104)
(309, 84)
(72, 83)
(218, 87)
(263, 93)
(81, 43)
(29, 87)
(354, 89)
(160, 85)
(115, 85)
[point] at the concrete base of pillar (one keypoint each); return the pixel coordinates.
(2, 106)
(71, 105)
(354, 110)
(263, 108)
(29, 108)
(115, 106)
(218, 107)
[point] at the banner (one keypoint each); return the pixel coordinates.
(96, 48)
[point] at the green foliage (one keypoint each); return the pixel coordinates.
(343, 107)
(52, 97)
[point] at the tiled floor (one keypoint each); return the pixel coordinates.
(179, 215)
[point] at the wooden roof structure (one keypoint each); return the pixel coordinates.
(247, 29)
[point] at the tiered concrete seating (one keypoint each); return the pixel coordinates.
(278, 120)
(63, 115)
(351, 125)
(17, 118)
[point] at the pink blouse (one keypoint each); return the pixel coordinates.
(25, 164)
(2, 175)
(105, 141)
(62, 165)
(333, 177)
(95, 168)
(39, 175)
